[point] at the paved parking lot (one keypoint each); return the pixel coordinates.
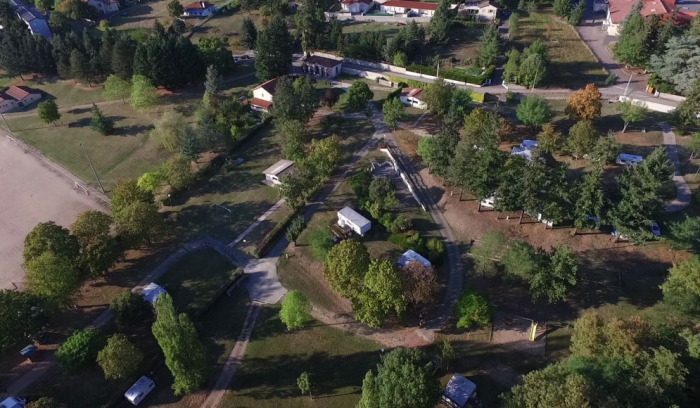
(31, 192)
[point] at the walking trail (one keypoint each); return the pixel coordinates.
(682, 199)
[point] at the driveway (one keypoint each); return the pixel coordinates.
(596, 37)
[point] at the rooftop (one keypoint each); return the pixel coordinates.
(418, 5)
(261, 103)
(354, 217)
(412, 256)
(356, 1)
(279, 167)
(269, 86)
(459, 390)
(412, 92)
(323, 61)
(199, 5)
(620, 8)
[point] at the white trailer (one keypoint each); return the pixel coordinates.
(139, 390)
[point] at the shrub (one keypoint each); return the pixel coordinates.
(401, 223)
(295, 311)
(434, 250)
(120, 359)
(360, 182)
(472, 308)
(386, 221)
(510, 97)
(128, 308)
(610, 80)
(409, 240)
(79, 350)
(320, 242)
(295, 228)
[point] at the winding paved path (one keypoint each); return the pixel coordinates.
(683, 194)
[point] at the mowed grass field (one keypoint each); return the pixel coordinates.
(274, 359)
(573, 65)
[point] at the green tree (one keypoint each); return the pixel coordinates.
(294, 188)
(128, 308)
(295, 311)
(295, 228)
(490, 248)
(549, 140)
(185, 355)
(448, 354)
(553, 386)
(143, 94)
(558, 275)
(514, 26)
(80, 67)
(304, 383)
(345, 267)
(358, 96)
(273, 49)
(294, 136)
(685, 114)
(48, 112)
(100, 123)
(135, 213)
(79, 350)
(508, 191)
(583, 137)
(441, 22)
(682, 286)
(151, 181)
(49, 237)
(381, 293)
(44, 5)
(577, 14)
(248, 34)
(382, 192)
(403, 380)
(324, 156)
(472, 308)
(534, 111)
(120, 359)
(631, 112)
(521, 260)
(693, 341)
(488, 45)
(178, 173)
(563, 8)
(166, 132)
(589, 200)
(175, 8)
(437, 96)
(215, 52)
(24, 315)
(99, 250)
(393, 111)
(294, 100)
(54, 277)
(678, 63)
(212, 84)
(46, 402)
(320, 242)
(310, 25)
(511, 70)
(117, 88)
(686, 234)
(631, 44)
(189, 145)
(605, 151)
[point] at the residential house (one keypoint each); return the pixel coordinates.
(481, 10)
(199, 9)
(262, 95)
(356, 6)
(349, 218)
(32, 18)
(274, 173)
(103, 7)
(411, 97)
(16, 97)
(322, 66)
(619, 9)
(409, 8)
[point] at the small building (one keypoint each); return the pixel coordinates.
(409, 8)
(199, 9)
(628, 159)
(152, 292)
(460, 392)
(32, 18)
(103, 7)
(356, 6)
(274, 173)
(139, 390)
(481, 10)
(413, 256)
(347, 217)
(16, 97)
(411, 97)
(617, 10)
(262, 95)
(322, 66)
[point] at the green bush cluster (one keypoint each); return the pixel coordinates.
(432, 249)
(455, 74)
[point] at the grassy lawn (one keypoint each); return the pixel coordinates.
(193, 280)
(125, 155)
(358, 27)
(275, 358)
(226, 25)
(241, 191)
(573, 65)
(463, 45)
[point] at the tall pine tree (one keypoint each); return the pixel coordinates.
(274, 50)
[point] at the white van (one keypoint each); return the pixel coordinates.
(628, 159)
(139, 390)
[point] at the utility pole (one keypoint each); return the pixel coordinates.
(438, 69)
(93, 169)
(628, 83)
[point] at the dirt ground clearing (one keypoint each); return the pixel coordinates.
(31, 193)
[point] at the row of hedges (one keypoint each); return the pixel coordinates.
(471, 24)
(455, 75)
(409, 82)
(202, 311)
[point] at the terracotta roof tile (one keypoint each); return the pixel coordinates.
(417, 5)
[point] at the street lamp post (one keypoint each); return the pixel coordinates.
(93, 169)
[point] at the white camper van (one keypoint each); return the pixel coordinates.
(139, 390)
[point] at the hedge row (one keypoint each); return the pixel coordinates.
(471, 24)
(455, 74)
(202, 311)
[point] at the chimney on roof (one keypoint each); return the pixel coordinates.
(202, 4)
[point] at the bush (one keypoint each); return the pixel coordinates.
(360, 182)
(472, 308)
(80, 350)
(120, 359)
(434, 250)
(295, 228)
(478, 97)
(610, 80)
(320, 242)
(409, 240)
(386, 221)
(456, 74)
(401, 223)
(510, 97)
(128, 308)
